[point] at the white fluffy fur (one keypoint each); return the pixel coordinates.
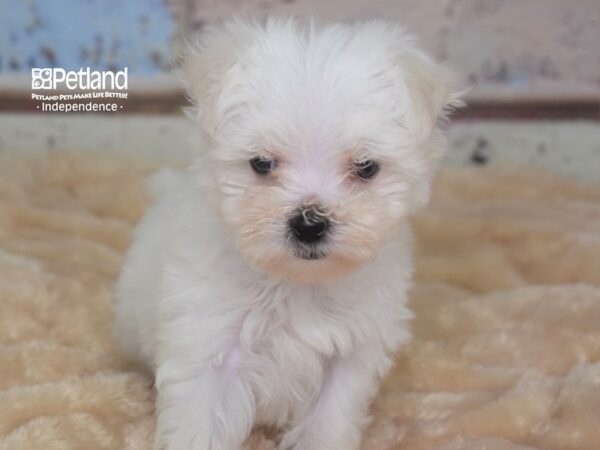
(238, 329)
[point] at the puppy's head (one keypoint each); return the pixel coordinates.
(321, 139)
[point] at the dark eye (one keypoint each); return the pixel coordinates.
(366, 169)
(262, 165)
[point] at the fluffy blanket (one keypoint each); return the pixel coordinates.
(506, 344)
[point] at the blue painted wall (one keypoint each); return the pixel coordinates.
(101, 34)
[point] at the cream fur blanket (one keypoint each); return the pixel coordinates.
(507, 331)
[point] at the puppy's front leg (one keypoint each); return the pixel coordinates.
(203, 407)
(340, 411)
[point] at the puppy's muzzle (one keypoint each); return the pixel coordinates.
(309, 224)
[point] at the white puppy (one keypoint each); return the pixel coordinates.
(267, 284)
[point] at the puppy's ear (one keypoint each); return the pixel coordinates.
(426, 90)
(209, 62)
(432, 88)
(433, 93)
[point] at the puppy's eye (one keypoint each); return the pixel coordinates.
(262, 165)
(366, 169)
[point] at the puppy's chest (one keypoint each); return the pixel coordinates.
(287, 347)
(303, 323)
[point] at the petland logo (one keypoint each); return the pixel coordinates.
(83, 79)
(92, 91)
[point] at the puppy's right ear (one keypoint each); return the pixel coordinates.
(210, 61)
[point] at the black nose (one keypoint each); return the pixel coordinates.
(309, 225)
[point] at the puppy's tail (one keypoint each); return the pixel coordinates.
(164, 182)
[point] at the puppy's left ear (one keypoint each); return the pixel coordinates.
(430, 92)
(433, 90)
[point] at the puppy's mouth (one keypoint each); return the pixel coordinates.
(309, 253)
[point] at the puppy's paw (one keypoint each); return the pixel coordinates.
(322, 438)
